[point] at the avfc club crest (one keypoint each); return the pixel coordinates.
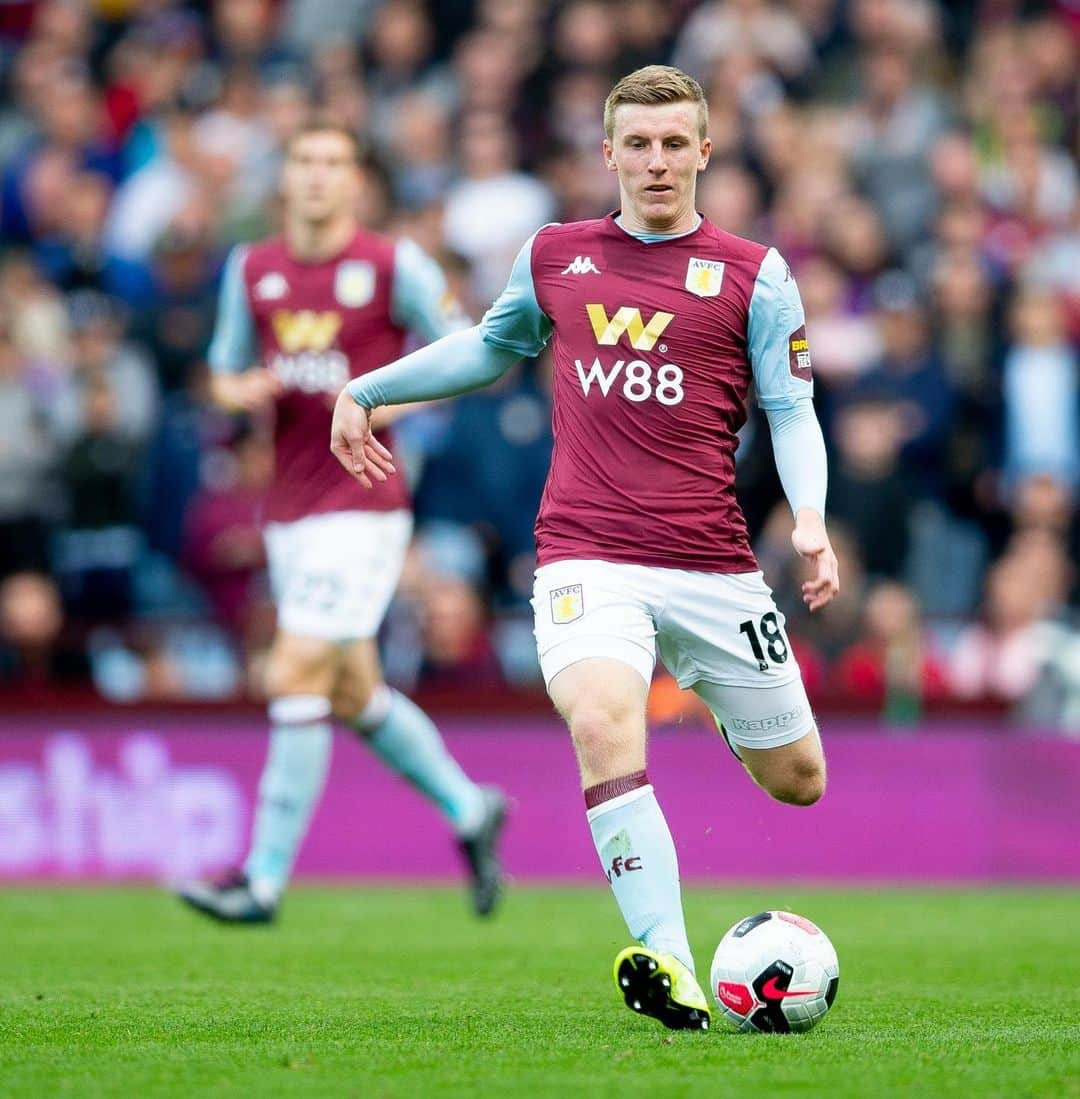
(354, 283)
(704, 277)
(567, 604)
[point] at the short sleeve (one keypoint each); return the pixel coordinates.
(232, 348)
(420, 300)
(776, 337)
(515, 322)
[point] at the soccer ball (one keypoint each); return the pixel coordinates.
(775, 972)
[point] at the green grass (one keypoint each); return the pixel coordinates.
(397, 992)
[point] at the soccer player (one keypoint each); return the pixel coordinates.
(659, 323)
(299, 315)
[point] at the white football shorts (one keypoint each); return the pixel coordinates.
(718, 634)
(333, 575)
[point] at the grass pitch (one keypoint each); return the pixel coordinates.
(398, 992)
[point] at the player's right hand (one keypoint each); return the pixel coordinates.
(361, 455)
(252, 390)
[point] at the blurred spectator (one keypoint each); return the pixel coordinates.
(99, 543)
(1042, 392)
(149, 200)
(458, 653)
(493, 208)
(499, 497)
(910, 372)
(727, 31)
(223, 545)
(896, 121)
(893, 666)
(844, 340)
(27, 455)
(868, 491)
(74, 256)
(1001, 656)
(32, 651)
(99, 358)
(176, 327)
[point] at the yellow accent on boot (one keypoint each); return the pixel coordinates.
(659, 985)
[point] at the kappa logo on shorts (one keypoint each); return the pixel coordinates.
(567, 604)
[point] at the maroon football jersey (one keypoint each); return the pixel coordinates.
(316, 326)
(651, 374)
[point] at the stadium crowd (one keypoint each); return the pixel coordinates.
(914, 161)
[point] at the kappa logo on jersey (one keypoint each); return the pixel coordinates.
(271, 287)
(305, 330)
(581, 265)
(354, 283)
(704, 277)
(567, 604)
(609, 330)
(799, 354)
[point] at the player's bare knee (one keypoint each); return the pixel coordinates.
(602, 743)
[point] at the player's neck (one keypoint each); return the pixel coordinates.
(633, 223)
(313, 243)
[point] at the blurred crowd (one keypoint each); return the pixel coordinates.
(914, 161)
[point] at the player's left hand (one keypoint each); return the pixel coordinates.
(811, 541)
(361, 455)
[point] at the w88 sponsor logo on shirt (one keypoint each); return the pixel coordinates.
(639, 380)
(639, 383)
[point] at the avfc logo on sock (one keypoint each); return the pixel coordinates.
(620, 866)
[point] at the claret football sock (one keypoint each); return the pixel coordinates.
(292, 780)
(638, 856)
(406, 740)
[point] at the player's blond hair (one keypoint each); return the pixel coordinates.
(656, 84)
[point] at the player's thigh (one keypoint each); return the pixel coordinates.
(333, 575)
(359, 673)
(603, 703)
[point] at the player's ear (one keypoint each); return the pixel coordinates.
(706, 152)
(609, 156)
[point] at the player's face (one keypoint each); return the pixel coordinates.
(321, 180)
(657, 152)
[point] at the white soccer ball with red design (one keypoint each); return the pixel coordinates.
(775, 972)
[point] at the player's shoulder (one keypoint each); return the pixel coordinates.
(260, 253)
(731, 248)
(560, 232)
(369, 245)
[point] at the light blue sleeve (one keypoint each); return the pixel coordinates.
(515, 322)
(420, 300)
(455, 364)
(232, 348)
(776, 336)
(799, 451)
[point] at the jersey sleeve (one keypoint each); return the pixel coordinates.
(515, 322)
(776, 337)
(420, 299)
(232, 347)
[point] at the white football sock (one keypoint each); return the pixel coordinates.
(638, 856)
(406, 740)
(293, 777)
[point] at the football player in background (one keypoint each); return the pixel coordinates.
(300, 314)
